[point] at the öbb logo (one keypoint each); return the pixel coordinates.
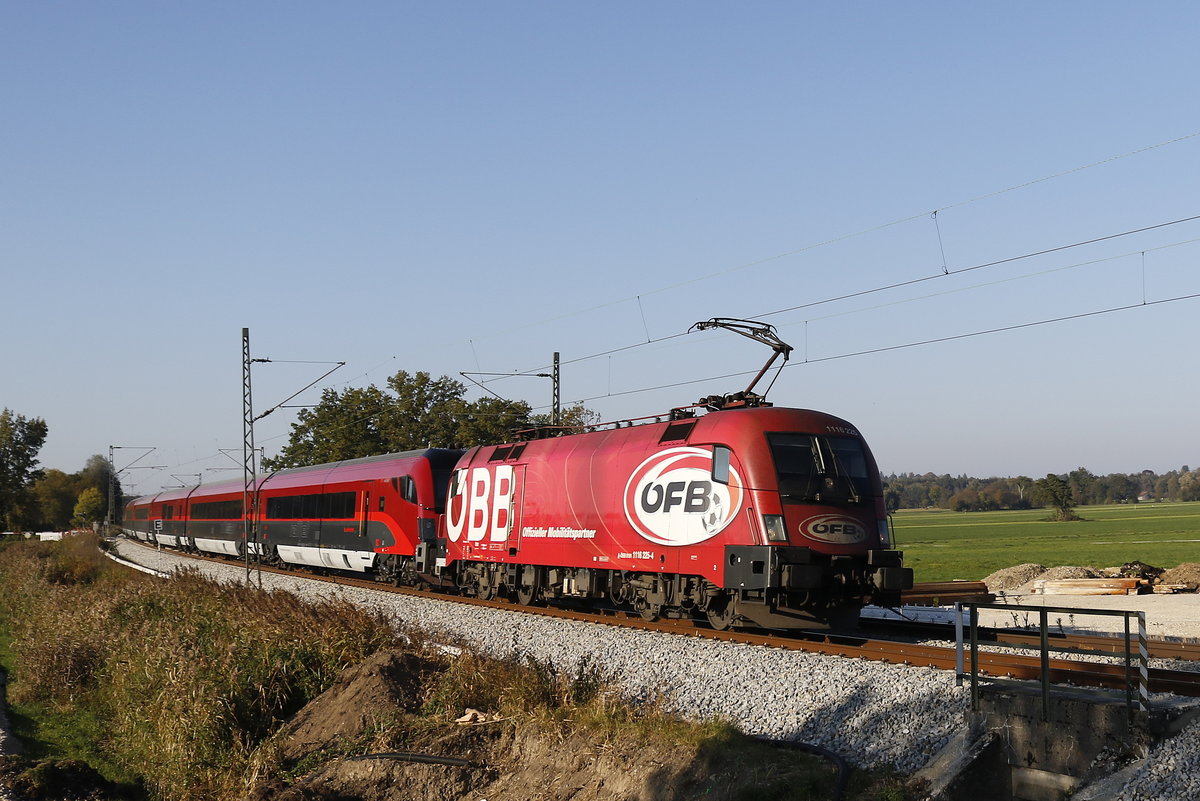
(671, 499)
(480, 504)
(834, 528)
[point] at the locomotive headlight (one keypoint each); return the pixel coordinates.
(776, 530)
(885, 535)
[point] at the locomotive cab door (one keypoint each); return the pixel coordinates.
(511, 531)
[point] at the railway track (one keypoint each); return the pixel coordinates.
(995, 664)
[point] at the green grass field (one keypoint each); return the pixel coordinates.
(941, 545)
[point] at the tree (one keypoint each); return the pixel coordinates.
(20, 440)
(98, 473)
(56, 494)
(1024, 487)
(343, 425)
(966, 500)
(89, 508)
(425, 412)
(492, 420)
(1189, 485)
(1053, 491)
(415, 412)
(1121, 489)
(1083, 486)
(573, 419)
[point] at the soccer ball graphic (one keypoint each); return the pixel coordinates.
(713, 519)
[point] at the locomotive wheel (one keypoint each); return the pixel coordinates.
(720, 613)
(527, 586)
(485, 591)
(525, 594)
(645, 610)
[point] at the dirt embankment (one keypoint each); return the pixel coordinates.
(374, 709)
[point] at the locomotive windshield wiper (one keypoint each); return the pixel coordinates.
(840, 471)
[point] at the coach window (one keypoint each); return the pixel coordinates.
(310, 507)
(408, 489)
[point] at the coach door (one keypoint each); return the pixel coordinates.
(365, 514)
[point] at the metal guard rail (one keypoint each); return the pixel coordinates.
(1142, 683)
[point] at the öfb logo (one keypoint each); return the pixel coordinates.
(834, 528)
(671, 498)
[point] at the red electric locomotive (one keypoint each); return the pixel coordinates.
(761, 515)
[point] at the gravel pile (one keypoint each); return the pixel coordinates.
(871, 713)
(1010, 578)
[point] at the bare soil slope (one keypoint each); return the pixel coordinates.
(374, 708)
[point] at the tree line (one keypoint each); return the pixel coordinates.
(1081, 487)
(416, 411)
(32, 499)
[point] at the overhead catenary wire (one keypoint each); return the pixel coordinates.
(816, 245)
(903, 346)
(1023, 277)
(897, 285)
(807, 360)
(869, 230)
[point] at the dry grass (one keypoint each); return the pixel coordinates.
(181, 680)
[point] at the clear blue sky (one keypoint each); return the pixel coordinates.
(471, 186)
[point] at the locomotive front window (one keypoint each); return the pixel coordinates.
(445, 482)
(851, 460)
(817, 469)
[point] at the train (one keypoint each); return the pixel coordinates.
(748, 516)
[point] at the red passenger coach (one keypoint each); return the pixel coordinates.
(767, 516)
(363, 515)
